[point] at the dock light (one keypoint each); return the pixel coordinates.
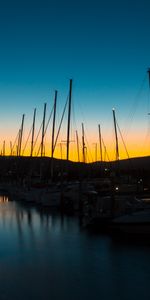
(140, 180)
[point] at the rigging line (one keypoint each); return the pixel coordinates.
(46, 128)
(80, 146)
(148, 110)
(148, 130)
(130, 161)
(145, 140)
(136, 100)
(60, 123)
(123, 140)
(15, 140)
(73, 114)
(27, 141)
(134, 106)
(37, 136)
(88, 146)
(48, 120)
(38, 150)
(82, 114)
(111, 144)
(87, 157)
(72, 126)
(105, 150)
(148, 98)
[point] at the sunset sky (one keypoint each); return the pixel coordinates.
(104, 46)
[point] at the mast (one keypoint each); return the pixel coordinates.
(4, 148)
(77, 139)
(116, 136)
(69, 115)
(53, 129)
(83, 143)
(17, 148)
(33, 130)
(95, 152)
(53, 135)
(11, 148)
(20, 137)
(100, 142)
(43, 130)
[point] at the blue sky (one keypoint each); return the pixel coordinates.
(103, 45)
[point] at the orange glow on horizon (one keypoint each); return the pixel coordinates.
(92, 152)
(137, 145)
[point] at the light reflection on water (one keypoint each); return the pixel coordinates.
(3, 199)
(48, 256)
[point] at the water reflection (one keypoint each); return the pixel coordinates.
(47, 256)
(3, 199)
(31, 225)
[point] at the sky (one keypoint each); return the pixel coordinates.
(104, 46)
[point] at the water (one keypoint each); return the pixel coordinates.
(47, 256)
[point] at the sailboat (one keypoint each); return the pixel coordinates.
(134, 220)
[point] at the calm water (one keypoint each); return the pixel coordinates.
(46, 256)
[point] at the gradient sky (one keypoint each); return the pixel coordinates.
(103, 45)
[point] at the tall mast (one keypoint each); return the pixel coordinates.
(43, 130)
(116, 136)
(20, 136)
(95, 152)
(18, 145)
(69, 115)
(4, 148)
(77, 139)
(53, 129)
(53, 135)
(33, 130)
(11, 148)
(100, 142)
(83, 143)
